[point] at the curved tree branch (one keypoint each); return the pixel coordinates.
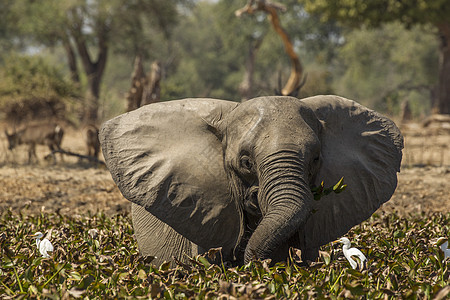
(272, 9)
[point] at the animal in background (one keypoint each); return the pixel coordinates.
(91, 139)
(37, 134)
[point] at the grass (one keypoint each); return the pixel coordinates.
(97, 257)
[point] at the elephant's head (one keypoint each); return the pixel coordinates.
(239, 176)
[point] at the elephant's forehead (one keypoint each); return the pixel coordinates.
(272, 121)
(271, 105)
(267, 111)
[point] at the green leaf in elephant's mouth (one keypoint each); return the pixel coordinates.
(320, 191)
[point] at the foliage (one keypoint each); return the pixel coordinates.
(203, 48)
(383, 67)
(377, 12)
(88, 31)
(409, 13)
(321, 190)
(31, 89)
(7, 28)
(120, 22)
(96, 256)
(211, 45)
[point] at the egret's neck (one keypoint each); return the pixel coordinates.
(345, 247)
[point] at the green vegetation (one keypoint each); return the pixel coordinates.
(375, 13)
(86, 30)
(206, 51)
(31, 88)
(96, 256)
(393, 65)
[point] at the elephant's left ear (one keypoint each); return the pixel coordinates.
(363, 147)
(167, 158)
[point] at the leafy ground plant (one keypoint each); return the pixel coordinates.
(97, 257)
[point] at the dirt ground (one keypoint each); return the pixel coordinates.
(74, 187)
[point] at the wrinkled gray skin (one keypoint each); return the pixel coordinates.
(205, 173)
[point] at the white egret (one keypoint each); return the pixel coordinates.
(44, 246)
(349, 252)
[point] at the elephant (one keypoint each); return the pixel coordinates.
(206, 173)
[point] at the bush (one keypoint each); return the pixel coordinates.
(31, 89)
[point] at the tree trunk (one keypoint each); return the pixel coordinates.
(134, 96)
(94, 70)
(406, 112)
(72, 61)
(246, 86)
(442, 103)
(293, 85)
(93, 94)
(152, 89)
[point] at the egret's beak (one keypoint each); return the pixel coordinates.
(335, 242)
(32, 235)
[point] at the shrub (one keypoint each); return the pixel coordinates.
(31, 89)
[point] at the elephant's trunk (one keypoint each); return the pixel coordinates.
(285, 201)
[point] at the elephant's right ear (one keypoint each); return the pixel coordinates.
(167, 158)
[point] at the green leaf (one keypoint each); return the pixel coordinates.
(164, 266)
(142, 275)
(86, 282)
(32, 289)
(204, 261)
(341, 189)
(338, 185)
(279, 278)
(326, 258)
(75, 275)
(355, 288)
(399, 234)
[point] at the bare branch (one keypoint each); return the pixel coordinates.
(89, 158)
(272, 8)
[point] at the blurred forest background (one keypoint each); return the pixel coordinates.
(74, 59)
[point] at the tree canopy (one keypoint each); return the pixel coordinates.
(87, 30)
(32, 89)
(385, 66)
(377, 12)
(204, 50)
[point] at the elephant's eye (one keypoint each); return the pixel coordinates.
(315, 163)
(246, 162)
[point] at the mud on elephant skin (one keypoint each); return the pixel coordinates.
(205, 173)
